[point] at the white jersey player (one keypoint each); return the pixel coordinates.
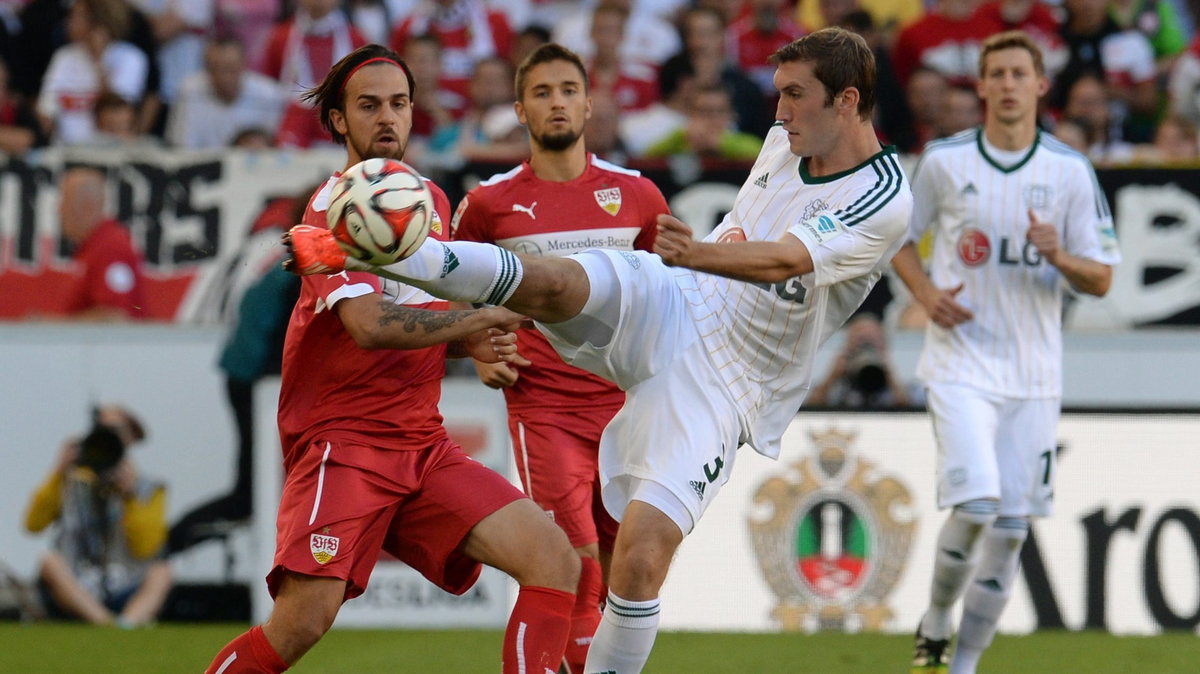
(1016, 217)
(717, 352)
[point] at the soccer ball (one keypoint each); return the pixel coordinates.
(380, 210)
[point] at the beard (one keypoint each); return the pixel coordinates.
(557, 142)
(367, 150)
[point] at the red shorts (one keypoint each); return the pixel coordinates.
(556, 454)
(344, 502)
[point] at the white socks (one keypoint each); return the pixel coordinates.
(460, 271)
(989, 591)
(954, 563)
(626, 634)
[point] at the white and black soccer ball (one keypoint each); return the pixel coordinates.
(380, 211)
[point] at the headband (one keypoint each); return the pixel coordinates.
(377, 59)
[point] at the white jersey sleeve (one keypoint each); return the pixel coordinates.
(1088, 228)
(840, 251)
(925, 182)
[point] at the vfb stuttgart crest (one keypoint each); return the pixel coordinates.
(832, 538)
(609, 199)
(323, 548)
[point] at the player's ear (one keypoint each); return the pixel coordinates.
(587, 108)
(847, 101)
(338, 120)
(520, 112)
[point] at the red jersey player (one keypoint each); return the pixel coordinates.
(561, 201)
(368, 465)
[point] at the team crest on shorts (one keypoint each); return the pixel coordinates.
(835, 540)
(609, 199)
(323, 547)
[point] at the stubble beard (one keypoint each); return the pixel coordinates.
(557, 142)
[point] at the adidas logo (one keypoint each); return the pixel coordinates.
(762, 180)
(698, 487)
(969, 189)
(449, 263)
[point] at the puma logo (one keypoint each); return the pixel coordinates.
(518, 208)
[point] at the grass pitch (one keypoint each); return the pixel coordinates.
(77, 649)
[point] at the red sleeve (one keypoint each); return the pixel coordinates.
(502, 34)
(653, 203)
(112, 278)
(271, 63)
(470, 220)
(334, 287)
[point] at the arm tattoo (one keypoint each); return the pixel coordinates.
(429, 320)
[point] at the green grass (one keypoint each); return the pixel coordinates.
(76, 649)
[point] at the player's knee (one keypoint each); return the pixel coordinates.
(556, 566)
(1013, 530)
(966, 524)
(978, 513)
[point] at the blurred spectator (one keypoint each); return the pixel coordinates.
(180, 28)
(19, 127)
(958, 111)
(1175, 143)
(106, 567)
(1183, 84)
(1123, 59)
(863, 376)
(648, 37)
(708, 132)
(298, 54)
(1159, 21)
(766, 26)
(433, 106)
(264, 295)
(602, 134)
(528, 39)
(945, 40)
(639, 129)
(893, 119)
(371, 18)
(490, 130)
(632, 85)
(116, 121)
(94, 61)
(705, 55)
(247, 21)
(1036, 19)
(924, 93)
(253, 138)
(110, 285)
(225, 97)
(1088, 104)
(41, 32)
(468, 30)
(1073, 134)
(889, 15)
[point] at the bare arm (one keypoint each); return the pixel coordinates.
(377, 324)
(752, 261)
(939, 303)
(1086, 276)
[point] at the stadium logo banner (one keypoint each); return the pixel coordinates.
(835, 540)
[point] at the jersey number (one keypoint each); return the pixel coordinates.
(1047, 457)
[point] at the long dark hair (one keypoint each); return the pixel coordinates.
(330, 93)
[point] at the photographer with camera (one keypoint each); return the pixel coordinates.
(106, 566)
(863, 377)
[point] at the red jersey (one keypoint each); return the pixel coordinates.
(947, 46)
(468, 33)
(112, 272)
(606, 207)
(385, 398)
(751, 48)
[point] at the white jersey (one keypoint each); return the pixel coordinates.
(763, 337)
(978, 211)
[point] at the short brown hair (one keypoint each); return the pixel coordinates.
(1012, 39)
(841, 59)
(111, 15)
(330, 94)
(551, 51)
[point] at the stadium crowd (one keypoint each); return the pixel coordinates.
(218, 73)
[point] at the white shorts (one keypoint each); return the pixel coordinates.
(993, 447)
(673, 443)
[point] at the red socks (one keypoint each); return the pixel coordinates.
(537, 631)
(585, 617)
(250, 653)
